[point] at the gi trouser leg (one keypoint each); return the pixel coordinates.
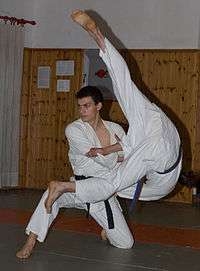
(40, 221)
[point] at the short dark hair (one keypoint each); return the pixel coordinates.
(90, 91)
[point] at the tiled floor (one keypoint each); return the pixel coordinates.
(165, 234)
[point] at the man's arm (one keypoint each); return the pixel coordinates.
(122, 145)
(80, 145)
(93, 152)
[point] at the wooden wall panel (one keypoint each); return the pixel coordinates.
(43, 144)
(25, 99)
(170, 78)
(197, 141)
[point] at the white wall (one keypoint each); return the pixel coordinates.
(137, 23)
(20, 9)
(17, 8)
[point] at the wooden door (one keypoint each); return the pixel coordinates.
(44, 116)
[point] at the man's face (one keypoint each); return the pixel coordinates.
(88, 110)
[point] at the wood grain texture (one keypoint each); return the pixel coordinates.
(169, 78)
(44, 116)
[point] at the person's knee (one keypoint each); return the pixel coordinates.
(123, 241)
(127, 242)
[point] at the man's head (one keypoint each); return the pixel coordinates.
(90, 101)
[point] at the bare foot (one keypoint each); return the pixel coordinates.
(84, 20)
(81, 18)
(26, 251)
(103, 235)
(56, 189)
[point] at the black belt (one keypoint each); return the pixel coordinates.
(106, 202)
(140, 182)
(175, 164)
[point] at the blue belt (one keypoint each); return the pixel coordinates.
(106, 202)
(136, 194)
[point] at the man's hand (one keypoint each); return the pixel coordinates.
(93, 152)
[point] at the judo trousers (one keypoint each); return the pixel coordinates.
(120, 236)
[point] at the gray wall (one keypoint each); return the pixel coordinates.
(95, 64)
(137, 23)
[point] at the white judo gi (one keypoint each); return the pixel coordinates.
(152, 143)
(81, 138)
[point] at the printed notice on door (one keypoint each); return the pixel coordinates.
(65, 67)
(63, 85)
(43, 79)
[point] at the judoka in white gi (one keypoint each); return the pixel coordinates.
(81, 136)
(151, 147)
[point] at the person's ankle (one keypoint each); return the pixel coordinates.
(32, 238)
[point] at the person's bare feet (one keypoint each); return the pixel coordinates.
(81, 18)
(84, 20)
(56, 189)
(26, 251)
(103, 235)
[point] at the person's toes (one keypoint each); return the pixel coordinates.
(103, 235)
(23, 254)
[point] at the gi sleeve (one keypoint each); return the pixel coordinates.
(80, 144)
